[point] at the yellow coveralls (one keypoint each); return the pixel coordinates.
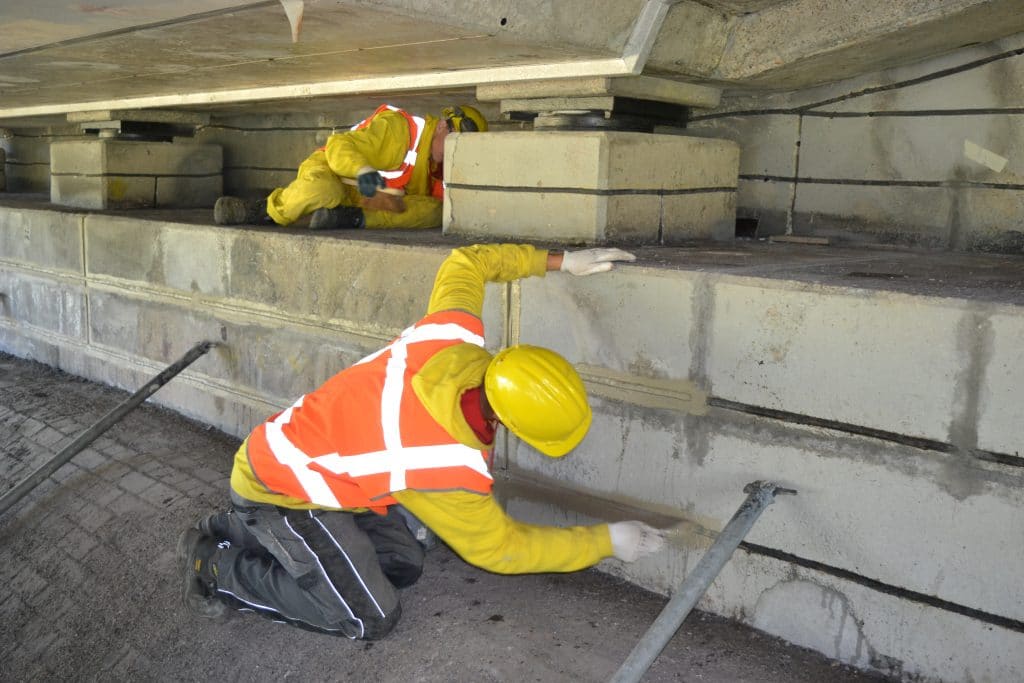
(382, 145)
(473, 525)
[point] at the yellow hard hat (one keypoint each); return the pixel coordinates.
(539, 397)
(464, 119)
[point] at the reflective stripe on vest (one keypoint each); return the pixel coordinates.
(399, 178)
(395, 461)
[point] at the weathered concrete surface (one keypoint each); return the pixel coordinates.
(883, 384)
(804, 43)
(593, 186)
(928, 154)
(152, 55)
(91, 586)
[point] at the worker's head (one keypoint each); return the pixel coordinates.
(464, 119)
(539, 397)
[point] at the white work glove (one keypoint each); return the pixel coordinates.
(590, 261)
(633, 540)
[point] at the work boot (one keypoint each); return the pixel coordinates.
(215, 526)
(238, 211)
(338, 218)
(199, 574)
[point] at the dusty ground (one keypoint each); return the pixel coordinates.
(91, 587)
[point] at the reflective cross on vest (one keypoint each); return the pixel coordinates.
(365, 434)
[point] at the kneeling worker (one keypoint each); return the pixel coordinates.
(386, 172)
(315, 536)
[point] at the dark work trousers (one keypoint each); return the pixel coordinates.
(327, 571)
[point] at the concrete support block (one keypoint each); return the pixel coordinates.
(49, 307)
(44, 240)
(565, 315)
(108, 173)
(590, 186)
(777, 347)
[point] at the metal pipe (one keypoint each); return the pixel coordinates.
(105, 423)
(760, 495)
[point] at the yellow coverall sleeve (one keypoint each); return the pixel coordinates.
(476, 528)
(381, 145)
(420, 212)
(460, 279)
(474, 525)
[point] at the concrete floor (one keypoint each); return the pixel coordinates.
(92, 587)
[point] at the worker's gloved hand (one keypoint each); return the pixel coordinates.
(633, 540)
(590, 261)
(368, 182)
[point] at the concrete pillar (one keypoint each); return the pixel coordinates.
(590, 186)
(107, 173)
(3, 170)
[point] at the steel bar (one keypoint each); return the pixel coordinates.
(760, 495)
(106, 422)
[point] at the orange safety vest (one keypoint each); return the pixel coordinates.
(365, 434)
(399, 178)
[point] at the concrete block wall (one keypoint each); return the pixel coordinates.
(899, 552)
(895, 415)
(27, 163)
(928, 154)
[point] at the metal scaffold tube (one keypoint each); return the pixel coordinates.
(106, 422)
(760, 496)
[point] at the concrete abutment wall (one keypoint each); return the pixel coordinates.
(927, 154)
(901, 552)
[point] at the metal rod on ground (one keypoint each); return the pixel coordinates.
(106, 422)
(760, 495)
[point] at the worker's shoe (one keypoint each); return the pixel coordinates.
(199, 574)
(338, 218)
(215, 526)
(238, 211)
